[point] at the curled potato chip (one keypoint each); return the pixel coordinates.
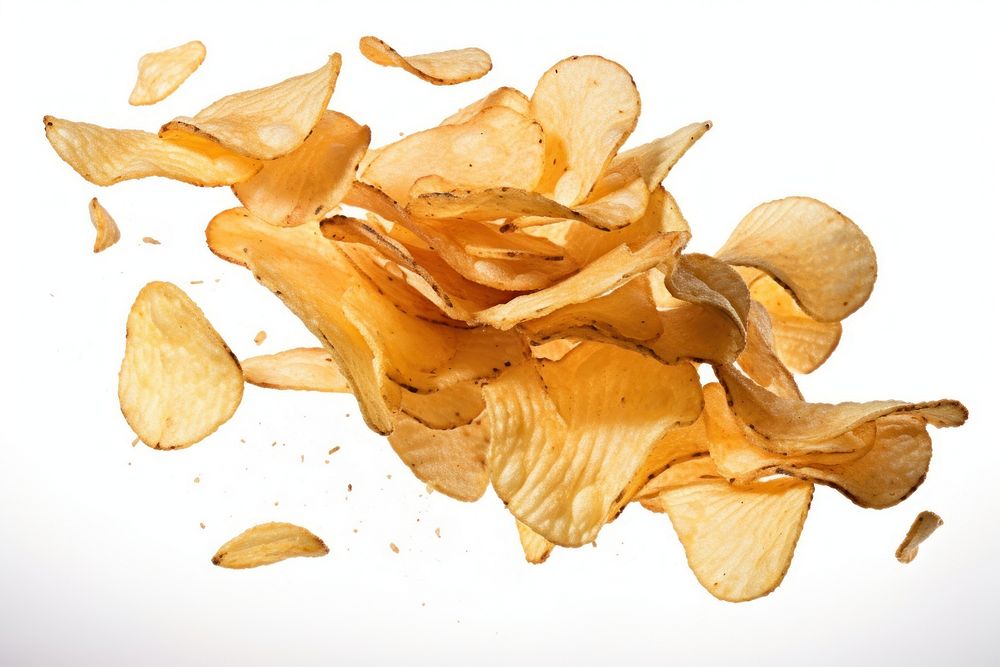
(496, 147)
(107, 230)
(178, 381)
(923, 527)
(443, 68)
(302, 368)
(783, 238)
(567, 436)
(588, 106)
(307, 183)
(265, 123)
(657, 158)
(105, 156)
(162, 72)
(451, 461)
(511, 98)
(268, 543)
(739, 541)
(537, 549)
(758, 359)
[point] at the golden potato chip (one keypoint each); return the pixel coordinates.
(657, 158)
(179, 381)
(783, 238)
(923, 527)
(453, 406)
(511, 98)
(302, 368)
(108, 233)
(568, 436)
(801, 343)
(537, 549)
(739, 540)
(104, 156)
(697, 469)
(587, 106)
(443, 68)
(496, 147)
(758, 359)
(268, 543)
(264, 123)
(162, 72)
(307, 183)
(451, 461)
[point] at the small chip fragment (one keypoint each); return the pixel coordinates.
(260, 337)
(923, 527)
(302, 368)
(443, 68)
(108, 233)
(162, 72)
(268, 543)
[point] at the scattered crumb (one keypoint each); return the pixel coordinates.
(594, 544)
(326, 461)
(302, 458)
(150, 240)
(350, 488)
(136, 441)
(197, 480)
(430, 490)
(260, 337)
(273, 444)
(395, 549)
(243, 441)
(196, 282)
(202, 524)
(355, 530)
(388, 476)
(275, 503)
(437, 531)
(218, 279)
(334, 449)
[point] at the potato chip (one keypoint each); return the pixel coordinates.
(179, 381)
(657, 158)
(511, 98)
(697, 469)
(568, 436)
(307, 183)
(537, 549)
(758, 359)
(162, 72)
(104, 156)
(739, 541)
(302, 368)
(496, 147)
(265, 123)
(108, 233)
(923, 527)
(455, 405)
(443, 68)
(268, 543)
(587, 106)
(451, 461)
(783, 238)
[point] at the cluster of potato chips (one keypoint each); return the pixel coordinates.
(508, 297)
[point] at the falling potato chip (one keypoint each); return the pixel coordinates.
(104, 156)
(107, 230)
(268, 543)
(568, 436)
(501, 97)
(303, 368)
(923, 527)
(443, 68)
(265, 123)
(162, 72)
(783, 238)
(657, 158)
(537, 549)
(739, 541)
(178, 381)
(307, 183)
(451, 461)
(588, 106)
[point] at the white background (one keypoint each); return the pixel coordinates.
(887, 111)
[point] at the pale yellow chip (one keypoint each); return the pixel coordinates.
(309, 182)
(739, 541)
(785, 238)
(496, 147)
(568, 436)
(107, 230)
(443, 68)
(511, 98)
(588, 106)
(759, 360)
(657, 158)
(162, 72)
(537, 549)
(451, 461)
(694, 470)
(179, 381)
(264, 123)
(268, 543)
(105, 156)
(923, 527)
(455, 405)
(302, 368)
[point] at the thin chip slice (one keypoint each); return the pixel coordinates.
(105, 156)
(739, 541)
(179, 381)
(162, 72)
(265, 123)
(108, 233)
(783, 238)
(443, 68)
(657, 158)
(304, 185)
(537, 549)
(451, 461)
(588, 106)
(512, 98)
(923, 527)
(268, 543)
(302, 368)
(568, 436)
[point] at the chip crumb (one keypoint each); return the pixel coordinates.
(388, 476)
(197, 480)
(395, 549)
(437, 531)
(350, 487)
(302, 458)
(326, 461)
(275, 503)
(136, 441)
(334, 449)
(202, 524)
(195, 282)
(274, 444)
(429, 489)
(260, 337)
(150, 240)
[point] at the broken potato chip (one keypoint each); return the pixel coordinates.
(162, 72)
(107, 230)
(442, 68)
(268, 543)
(923, 527)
